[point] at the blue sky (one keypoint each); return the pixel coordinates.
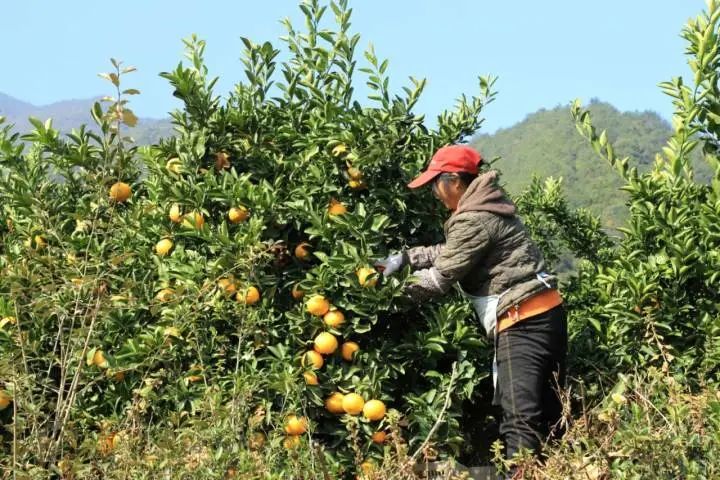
(545, 53)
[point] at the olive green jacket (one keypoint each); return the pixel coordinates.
(487, 250)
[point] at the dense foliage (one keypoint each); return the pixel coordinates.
(158, 324)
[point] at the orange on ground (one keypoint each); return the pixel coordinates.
(311, 378)
(325, 343)
(297, 293)
(238, 214)
(363, 274)
(5, 399)
(336, 208)
(163, 247)
(317, 305)
(198, 221)
(175, 213)
(251, 296)
(227, 285)
(348, 350)
(353, 404)
(295, 425)
(379, 437)
(302, 251)
(374, 410)
(334, 318)
(120, 192)
(291, 441)
(334, 403)
(313, 359)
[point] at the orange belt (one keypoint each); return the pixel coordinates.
(535, 305)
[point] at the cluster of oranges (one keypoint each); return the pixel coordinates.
(326, 343)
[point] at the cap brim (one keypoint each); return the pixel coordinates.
(424, 178)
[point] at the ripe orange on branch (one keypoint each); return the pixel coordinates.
(353, 404)
(363, 275)
(379, 437)
(197, 222)
(317, 305)
(297, 292)
(302, 251)
(312, 359)
(348, 350)
(175, 214)
(163, 247)
(325, 343)
(311, 378)
(336, 208)
(238, 214)
(250, 296)
(5, 399)
(120, 192)
(374, 410)
(334, 318)
(334, 403)
(295, 425)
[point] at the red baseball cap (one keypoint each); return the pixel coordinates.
(450, 159)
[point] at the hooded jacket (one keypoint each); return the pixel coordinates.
(487, 250)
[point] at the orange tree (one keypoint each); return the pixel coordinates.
(138, 281)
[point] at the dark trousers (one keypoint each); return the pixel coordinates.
(530, 371)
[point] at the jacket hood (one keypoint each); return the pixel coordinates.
(484, 194)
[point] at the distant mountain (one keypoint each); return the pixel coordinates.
(69, 114)
(546, 144)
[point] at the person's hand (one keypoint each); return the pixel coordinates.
(390, 265)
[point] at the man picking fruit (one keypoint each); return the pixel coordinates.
(489, 253)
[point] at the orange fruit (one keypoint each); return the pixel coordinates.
(163, 246)
(379, 437)
(312, 359)
(120, 192)
(302, 251)
(334, 318)
(374, 410)
(336, 208)
(238, 214)
(297, 294)
(198, 221)
(174, 165)
(99, 359)
(175, 213)
(5, 399)
(165, 295)
(334, 403)
(353, 404)
(363, 275)
(325, 343)
(222, 161)
(317, 305)
(194, 378)
(119, 376)
(227, 285)
(348, 350)
(295, 425)
(311, 378)
(251, 296)
(291, 441)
